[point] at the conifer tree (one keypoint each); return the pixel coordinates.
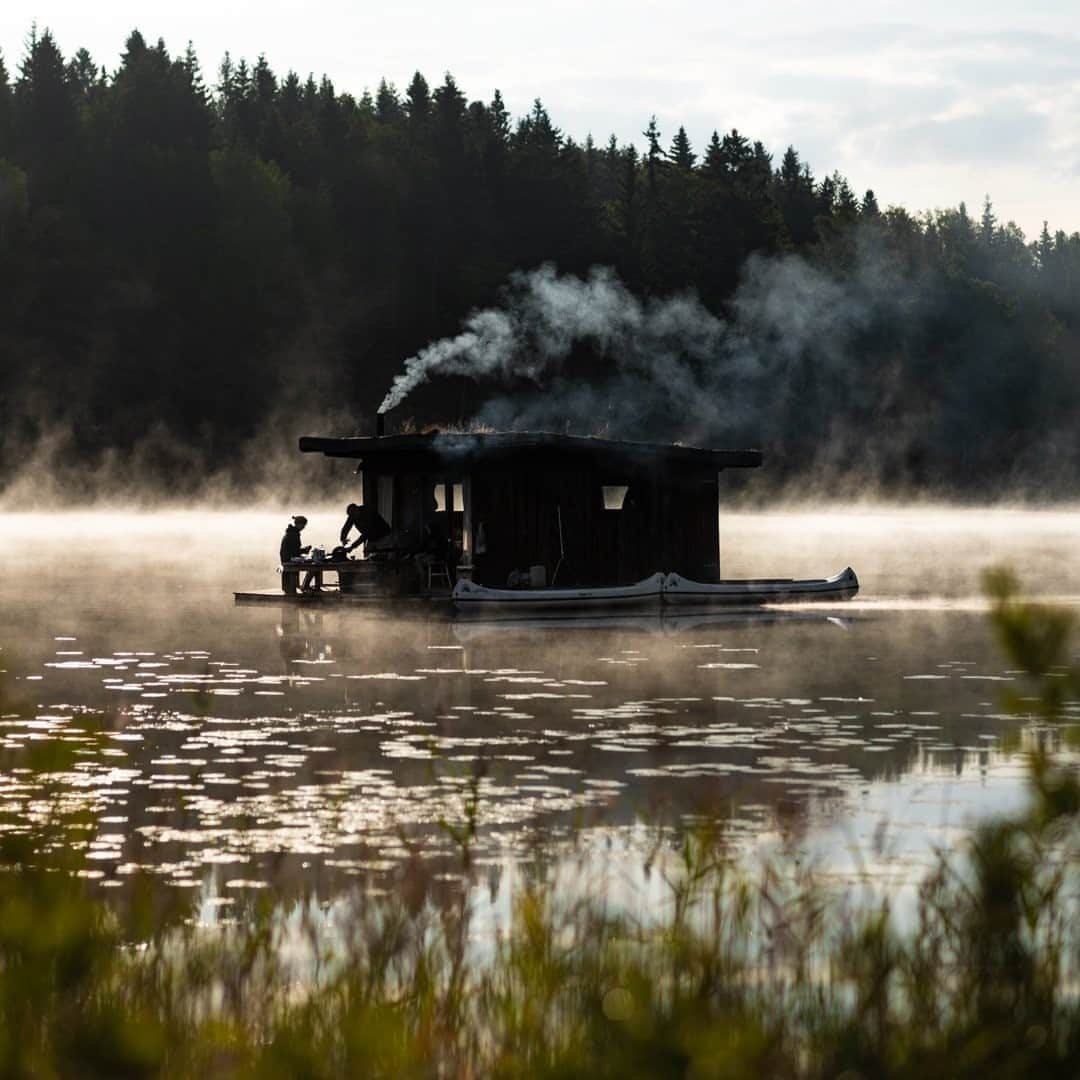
(82, 74)
(418, 100)
(388, 108)
(826, 196)
(264, 82)
(987, 224)
(46, 124)
(758, 170)
(737, 150)
(790, 175)
(290, 99)
(224, 88)
(494, 135)
(1045, 248)
(957, 236)
(134, 49)
(537, 131)
(449, 109)
(653, 154)
(799, 202)
(591, 156)
(681, 154)
(242, 81)
(847, 206)
(500, 118)
(715, 164)
(193, 70)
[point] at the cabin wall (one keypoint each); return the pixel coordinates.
(514, 515)
(665, 524)
(691, 539)
(511, 512)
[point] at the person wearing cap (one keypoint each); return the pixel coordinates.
(368, 523)
(291, 548)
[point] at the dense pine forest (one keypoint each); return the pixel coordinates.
(192, 267)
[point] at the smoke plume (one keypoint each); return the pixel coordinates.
(669, 369)
(544, 316)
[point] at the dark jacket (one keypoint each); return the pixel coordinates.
(291, 547)
(367, 523)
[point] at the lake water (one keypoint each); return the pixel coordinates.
(272, 744)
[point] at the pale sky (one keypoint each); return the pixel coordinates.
(927, 103)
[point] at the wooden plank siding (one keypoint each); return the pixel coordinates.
(660, 527)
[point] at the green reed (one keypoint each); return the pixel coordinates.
(739, 972)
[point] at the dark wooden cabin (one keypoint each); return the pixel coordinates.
(591, 511)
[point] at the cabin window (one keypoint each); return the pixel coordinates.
(614, 495)
(458, 497)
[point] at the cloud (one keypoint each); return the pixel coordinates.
(992, 137)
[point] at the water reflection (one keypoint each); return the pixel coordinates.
(285, 743)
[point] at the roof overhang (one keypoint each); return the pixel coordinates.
(400, 453)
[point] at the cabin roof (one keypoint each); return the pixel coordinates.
(459, 448)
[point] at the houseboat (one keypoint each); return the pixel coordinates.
(521, 522)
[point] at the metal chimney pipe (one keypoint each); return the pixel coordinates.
(380, 425)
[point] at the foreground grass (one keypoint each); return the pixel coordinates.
(737, 975)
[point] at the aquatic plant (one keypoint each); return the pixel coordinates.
(740, 971)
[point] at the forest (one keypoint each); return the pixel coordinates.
(194, 270)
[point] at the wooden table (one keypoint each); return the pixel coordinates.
(350, 572)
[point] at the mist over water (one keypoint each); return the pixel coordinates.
(282, 744)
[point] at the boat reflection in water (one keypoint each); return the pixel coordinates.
(666, 621)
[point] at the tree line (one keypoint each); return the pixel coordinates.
(192, 263)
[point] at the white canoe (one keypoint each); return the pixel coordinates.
(680, 590)
(660, 589)
(469, 596)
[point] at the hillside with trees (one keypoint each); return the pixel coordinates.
(186, 262)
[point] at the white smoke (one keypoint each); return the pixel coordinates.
(545, 315)
(487, 347)
(671, 368)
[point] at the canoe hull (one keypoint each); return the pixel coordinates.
(469, 596)
(656, 591)
(680, 591)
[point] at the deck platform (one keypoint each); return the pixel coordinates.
(332, 597)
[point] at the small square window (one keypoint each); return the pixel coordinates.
(614, 495)
(457, 495)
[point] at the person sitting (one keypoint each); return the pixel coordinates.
(438, 552)
(370, 526)
(291, 549)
